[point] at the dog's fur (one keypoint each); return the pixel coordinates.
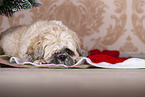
(43, 42)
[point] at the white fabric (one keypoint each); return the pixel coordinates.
(129, 63)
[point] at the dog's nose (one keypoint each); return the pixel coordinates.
(62, 57)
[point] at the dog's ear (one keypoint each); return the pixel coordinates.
(35, 51)
(1, 51)
(82, 52)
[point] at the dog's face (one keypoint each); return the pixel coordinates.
(57, 44)
(67, 52)
(64, 56)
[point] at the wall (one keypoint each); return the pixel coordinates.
(101, 24)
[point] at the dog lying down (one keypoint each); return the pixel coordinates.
(48, 42)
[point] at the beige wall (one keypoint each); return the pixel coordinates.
(102, 24)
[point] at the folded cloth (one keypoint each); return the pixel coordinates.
(131, 63)
(108, 56)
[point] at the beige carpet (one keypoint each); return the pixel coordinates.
(20, 82)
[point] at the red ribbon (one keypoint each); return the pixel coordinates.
(110, 56)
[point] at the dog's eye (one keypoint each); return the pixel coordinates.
(69, 51)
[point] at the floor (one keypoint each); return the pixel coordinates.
(22, 82)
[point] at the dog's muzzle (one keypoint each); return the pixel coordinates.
(66, 59)
(63, 58)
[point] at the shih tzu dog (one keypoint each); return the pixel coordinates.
(43, 42)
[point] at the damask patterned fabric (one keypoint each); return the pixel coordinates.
(101, 24)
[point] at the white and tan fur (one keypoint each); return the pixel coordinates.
(40, 40)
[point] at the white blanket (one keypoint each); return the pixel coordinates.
(129, 63)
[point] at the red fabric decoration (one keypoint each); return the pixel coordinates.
(112, 57)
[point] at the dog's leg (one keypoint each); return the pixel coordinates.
(39, 56)
(35, 55)
(35, 52)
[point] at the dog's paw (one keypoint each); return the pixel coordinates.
(39, 62)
